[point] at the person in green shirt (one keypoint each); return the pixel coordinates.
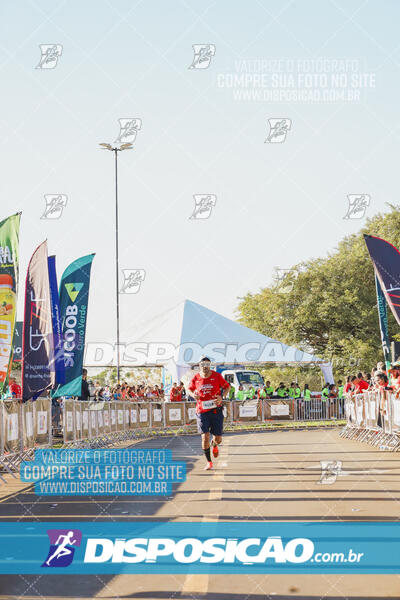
(291, 390)
(324, 397)
(340, 398)
(262, 393)
(231, 393)
(241, 394)
(307, 401)
(297, 398)
(281, 391)
(268, 388)
(251, 393)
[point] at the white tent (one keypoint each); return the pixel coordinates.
(179, 337)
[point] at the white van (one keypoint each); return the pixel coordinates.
(243, 377)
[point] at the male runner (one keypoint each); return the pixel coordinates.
(210, 389)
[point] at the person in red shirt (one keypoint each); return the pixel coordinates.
(175, 394)
(395, 377)
(360, 384)
(209, 389)
(349, 387)
(15, 388)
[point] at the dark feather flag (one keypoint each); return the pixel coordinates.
(383, 322)
(386, 260)
(37, 349)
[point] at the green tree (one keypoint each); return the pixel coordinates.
(328, 305)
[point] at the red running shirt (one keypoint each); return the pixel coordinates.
(175, 395)
(208, 389)
(15, 390)
(361, 386)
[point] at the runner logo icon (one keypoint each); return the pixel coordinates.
(62, 547)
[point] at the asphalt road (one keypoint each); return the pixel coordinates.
(259, 476)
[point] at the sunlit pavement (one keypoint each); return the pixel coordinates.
(261, 476)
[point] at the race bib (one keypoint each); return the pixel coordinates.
(208, 404)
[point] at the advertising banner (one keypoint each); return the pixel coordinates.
(37, 350)
(56, 321)
(9, 240)
(386, 261)
(74, 297)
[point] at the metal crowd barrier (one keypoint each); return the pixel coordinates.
(373, 417)
(316, 409)
(103, 423)
(40, 423)
(23, 427)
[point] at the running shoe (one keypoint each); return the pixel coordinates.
(208, 466)
(215, 450)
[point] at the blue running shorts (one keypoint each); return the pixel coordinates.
(211, 421)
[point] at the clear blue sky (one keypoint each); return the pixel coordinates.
(277, 204)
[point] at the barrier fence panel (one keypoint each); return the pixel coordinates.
(395, 414)
(144, 415)
(133, 416)
(157, 415)
(120, 415)
(68, 421)
(278, 410)
(11, 426)
(106, 417)
(28, 437)
(190, 413)
(100, 420)
(85, 420)
(374, 417)
(42, 421)
(78, 421)
(248, 410)
(174, 414)
(318, 409)
(22, 428)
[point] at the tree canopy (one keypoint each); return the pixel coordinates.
(328, 305)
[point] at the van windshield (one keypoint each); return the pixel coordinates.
(249, 377)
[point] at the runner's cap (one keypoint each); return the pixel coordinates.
(204, 359)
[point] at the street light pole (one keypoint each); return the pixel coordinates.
(117, 149)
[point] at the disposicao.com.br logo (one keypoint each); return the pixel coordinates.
(246, 551)
(148, 547)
